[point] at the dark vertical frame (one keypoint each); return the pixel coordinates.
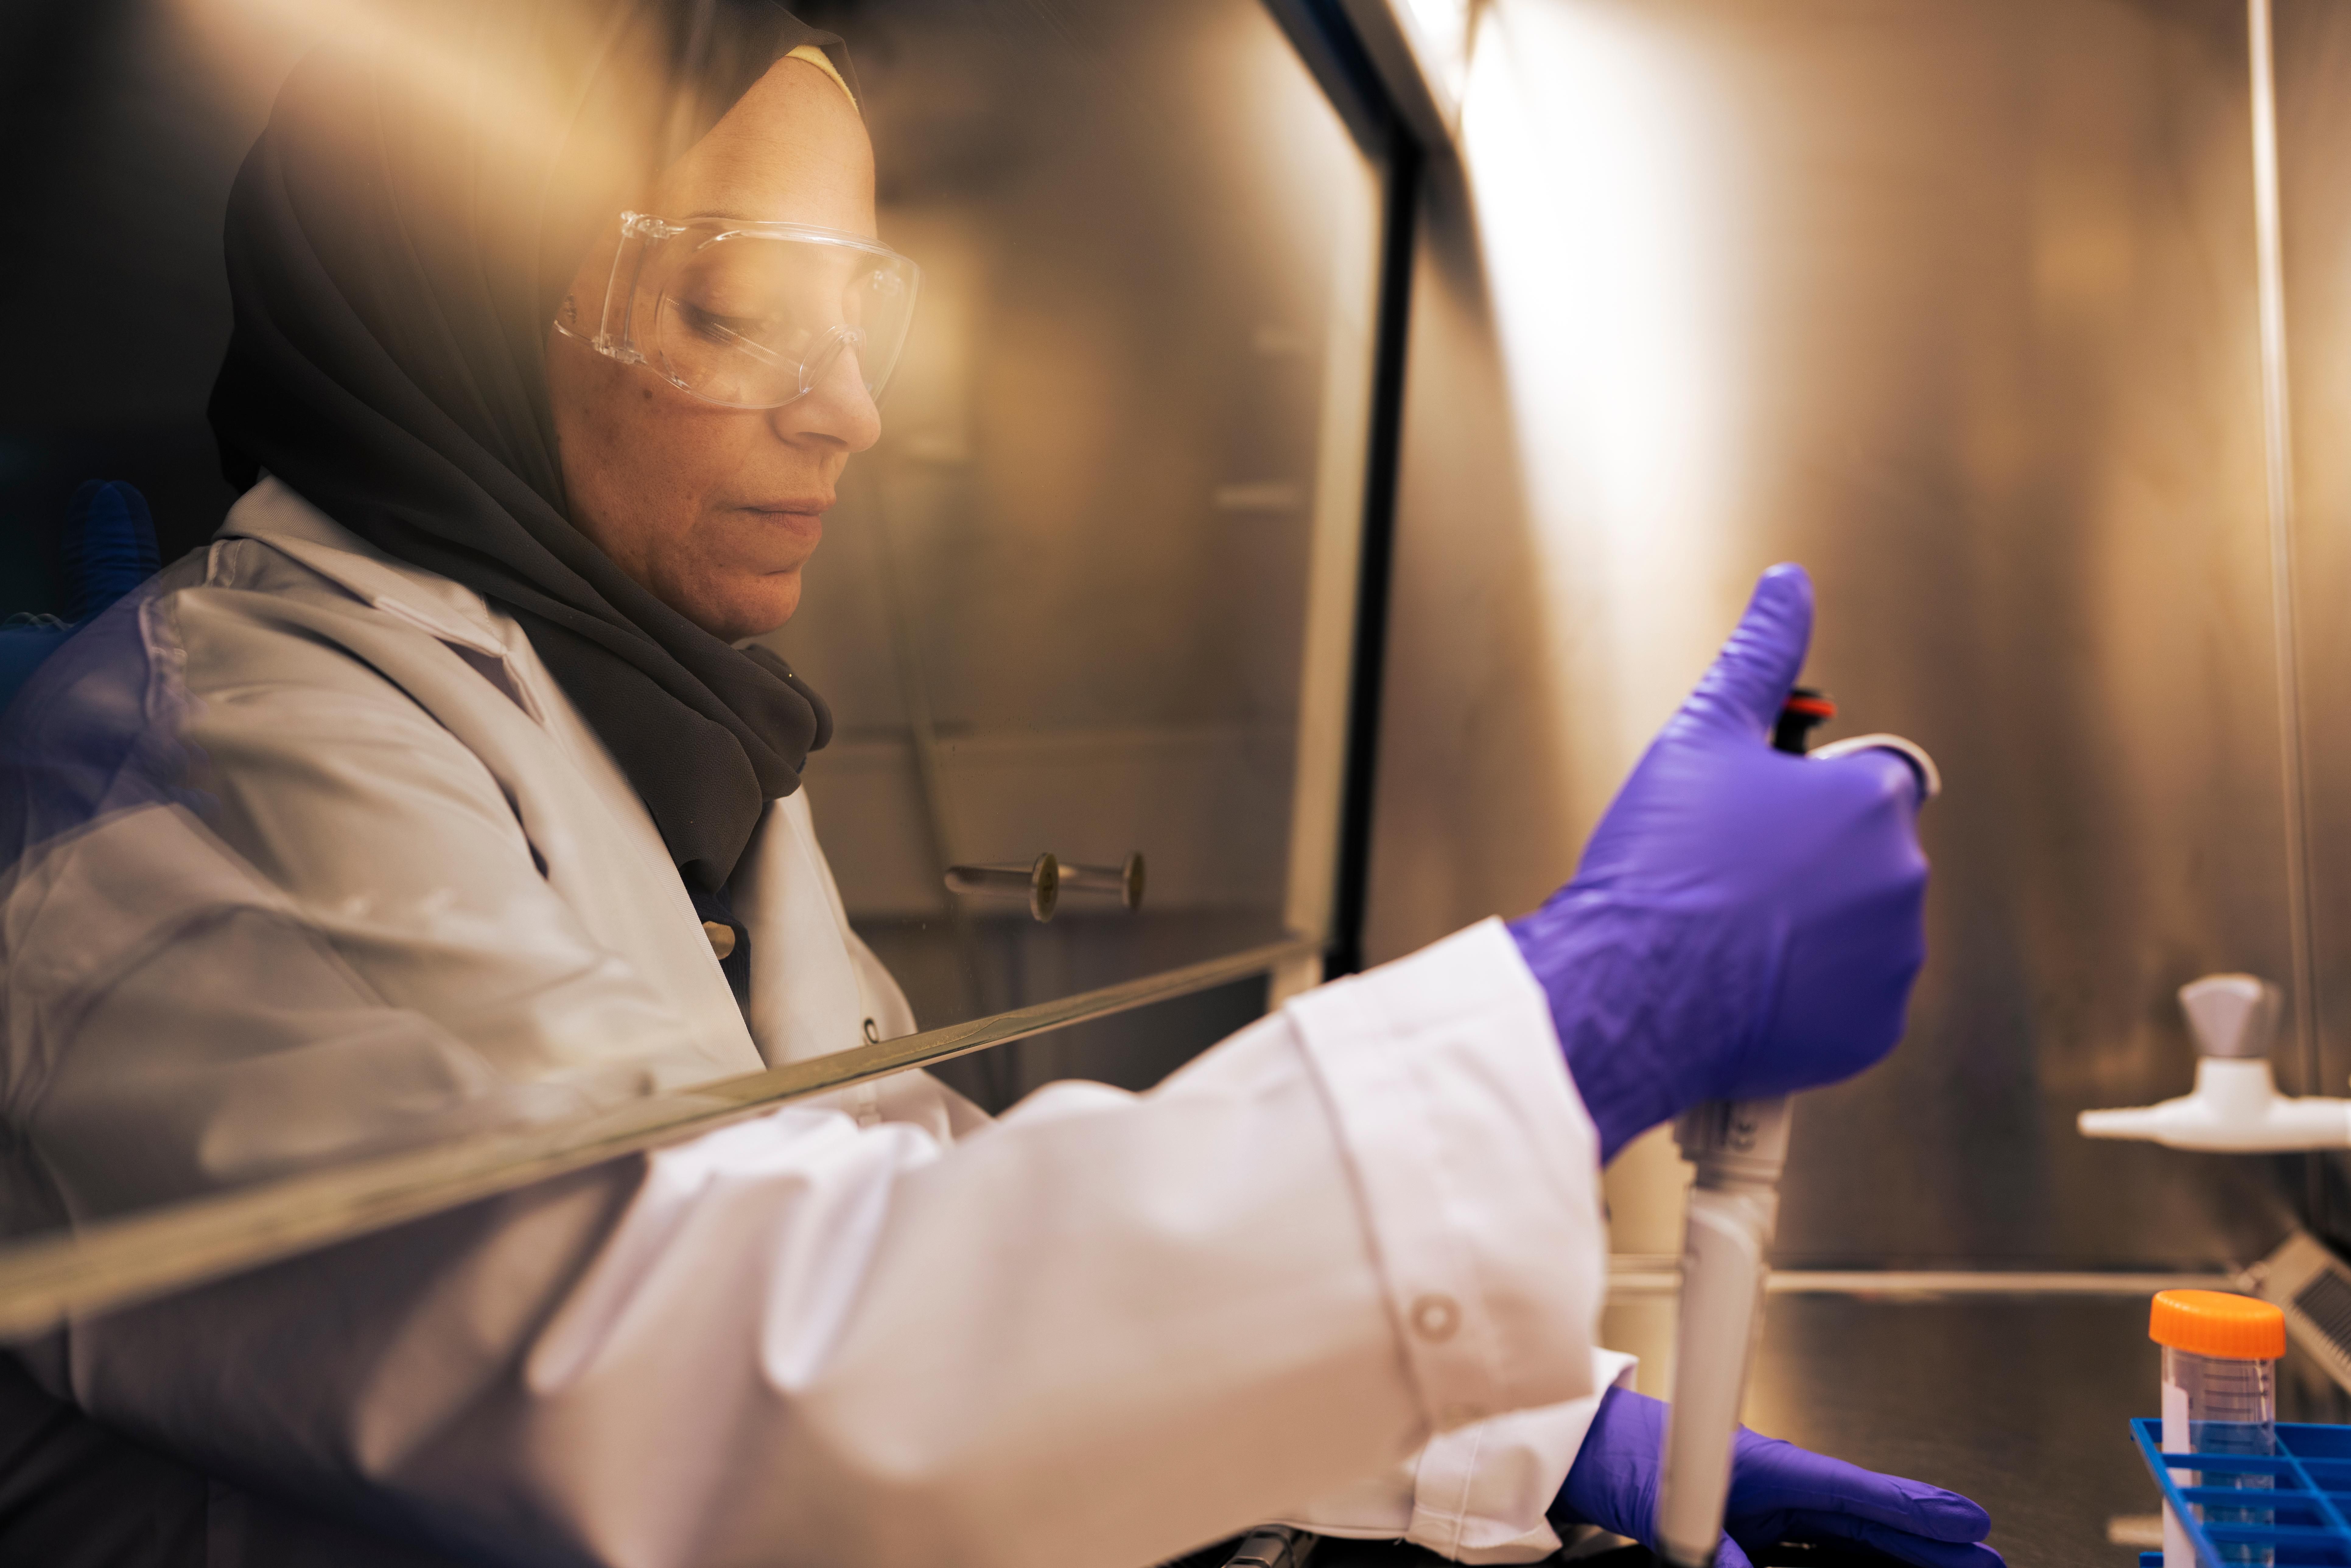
(1367, 683)
(1335, 54)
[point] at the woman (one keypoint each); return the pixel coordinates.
(435, 796)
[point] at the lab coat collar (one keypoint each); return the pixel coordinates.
(275, 515)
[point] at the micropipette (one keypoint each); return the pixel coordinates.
(1738, 1148)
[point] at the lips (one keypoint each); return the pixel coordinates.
(791, 528)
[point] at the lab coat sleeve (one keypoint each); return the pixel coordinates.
(1478, 1493)
(350, 950)
(1101, 1331)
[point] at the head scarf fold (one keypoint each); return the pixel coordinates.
(398, 241)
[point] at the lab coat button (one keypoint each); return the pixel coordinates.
(722, 937)
(1436, 1317)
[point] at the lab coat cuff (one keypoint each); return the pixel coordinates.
(1483, 1493)
(1477, 1168)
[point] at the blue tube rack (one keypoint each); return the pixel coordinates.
(2307, 1502)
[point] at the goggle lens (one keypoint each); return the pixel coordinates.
(757, 317)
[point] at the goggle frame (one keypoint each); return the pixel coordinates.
(640, 233)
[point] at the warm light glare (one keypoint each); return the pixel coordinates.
(1443, 26)
(418, 46)
(1592, 173)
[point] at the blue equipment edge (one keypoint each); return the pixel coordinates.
(2310, 1479)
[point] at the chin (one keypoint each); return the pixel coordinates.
(749, 610)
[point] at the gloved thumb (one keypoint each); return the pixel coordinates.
(1742, 693)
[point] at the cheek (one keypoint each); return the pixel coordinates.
(653, 464)
(648, 474)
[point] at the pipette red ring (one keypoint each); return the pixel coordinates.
(1805, 710)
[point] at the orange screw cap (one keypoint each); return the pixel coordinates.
(2214, 1323)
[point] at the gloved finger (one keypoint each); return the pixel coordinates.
(1742, 691)
(1874, 797)
(1889, 773)
(1730, 1555)
(1809, 1524)
(1770, 1475)
(1927, 779)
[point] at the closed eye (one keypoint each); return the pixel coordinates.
(718, 328)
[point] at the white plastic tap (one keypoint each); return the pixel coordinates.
(2235, 1107)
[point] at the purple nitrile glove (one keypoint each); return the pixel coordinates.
(1778, 1492)
(1745, 921)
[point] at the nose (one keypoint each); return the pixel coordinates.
(838, 409)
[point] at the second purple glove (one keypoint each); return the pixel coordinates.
(1744, 923)
(1778, 1492)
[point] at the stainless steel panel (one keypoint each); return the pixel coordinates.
(2313, 68)
(1093, 592)
(1953, 302)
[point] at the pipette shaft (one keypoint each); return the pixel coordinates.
(1738, 1148)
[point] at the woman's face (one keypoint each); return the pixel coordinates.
(717, 509)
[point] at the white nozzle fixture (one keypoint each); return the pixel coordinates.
(2235, 1107)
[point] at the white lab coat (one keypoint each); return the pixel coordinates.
(1353, 1253)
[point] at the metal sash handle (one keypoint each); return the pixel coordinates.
(1274, 1546)
(1043, 881)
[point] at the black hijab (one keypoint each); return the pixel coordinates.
(398, 241)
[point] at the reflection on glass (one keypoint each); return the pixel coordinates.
(1064, 606)
(290, 889)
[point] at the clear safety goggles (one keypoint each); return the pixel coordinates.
(753, 315)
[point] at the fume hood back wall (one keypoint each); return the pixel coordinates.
(2313, 66)
(1953, 302)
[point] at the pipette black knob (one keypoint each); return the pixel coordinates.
(1804, 711)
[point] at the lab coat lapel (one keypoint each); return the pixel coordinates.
(806, 1000)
